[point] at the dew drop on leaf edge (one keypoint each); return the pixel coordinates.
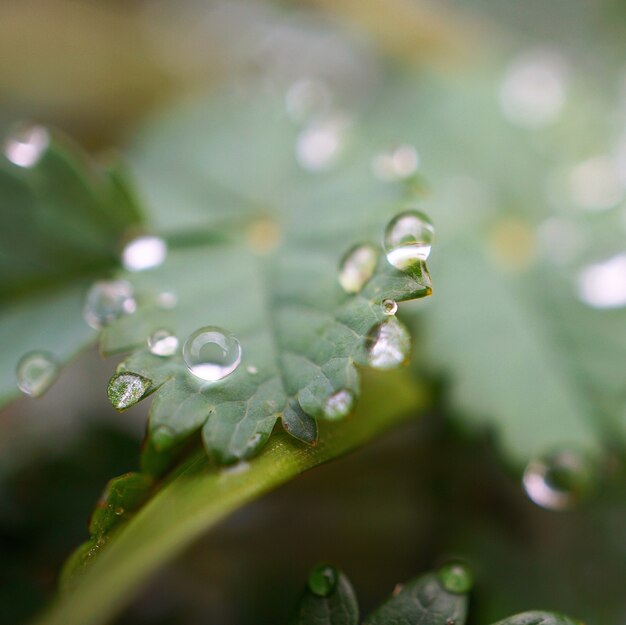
(211, 353)
(163, 343)
(357, 267)
(388, 344)
(455, 577)
(389, 306)
(323, 580)
(126, 388)
(35, 372)
(408, 239)
(106, 301)
(338, 405)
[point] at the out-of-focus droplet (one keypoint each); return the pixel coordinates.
(125, 389)
(307, 98)
(595, 184)
(252, 370)
(532, 93)
(408, 239)
(212, 353)
(560, 240)
(357, 267)
(143, 253)
(323, 580)
(167, 300)
(319, 144)
(389, 306)
(162, 342)
(36, 371)
(108, 300)
(398, 163)
(338, 405)
(559, 481)
(388, 344)
(455, 577)
(603, 285)
(26, 145)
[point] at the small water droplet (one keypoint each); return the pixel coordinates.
(408, 239)
(212, 353)
(252, 370)
(323, 580)
(36, 371)
(396, 164)
(143, 253)
(603, 285)
(388, 344)
(307, 98)
(319, 144)
(26, 145)
(558, 481)
(357, 267)
(167, 300)
(162, 342)
(126, 389)
(119, 511)
(338, 405)
(455, 577)
(108, 300)
(389, 306)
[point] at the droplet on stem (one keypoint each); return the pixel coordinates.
(36, 371)
(108, 300)
(163, 343)
(211, 353)
(357, 267)
(408, 239)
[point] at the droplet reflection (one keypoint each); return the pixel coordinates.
(212, 353)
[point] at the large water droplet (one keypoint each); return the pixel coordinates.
(126, 389)
(455, 577)
(212, 353)
(389, 306)
(396, 164)
(603, 285)
(108, 300)
(338, 405)
(388, 344)
(36, 371)
(408, 239)
(323, 580)
(26, 145)
(357, 267)
(162, 342)
(143, 253)
(559, 481)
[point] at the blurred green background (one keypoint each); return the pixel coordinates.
(450, 484)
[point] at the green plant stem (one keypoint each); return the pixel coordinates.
(201, 495)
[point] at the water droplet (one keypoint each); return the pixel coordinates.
(323, 580)
(388, 344)
(26, 145)
(126, 389)
(119, 511)
(212, 353)
(532, 93)
(408, 239)
(307, 98)
(163, 343)
(396, 164)
(36, 371)
(108, 300)
(320, 143)
(603, 285)
(595, 184)
(455, 577)
(252, 370)
(558, 481)
(167, 300)
(338, 405)
(143, 253)
(357, 267)
(389, 307)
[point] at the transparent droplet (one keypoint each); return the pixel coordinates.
(26, 145)
(357, 267)
(596, 184)
(252, 370)
(389, 306)
(119, 511)
(212, 353)
(143, 253)
(36, 371)
(307, 98)
(532, 93)
(126, 389)
(108, 300)
(162, 342)
(455, 577)
(323, 580)
(338, 405)
(167, 300)
(388, 344)
(408, 239)
(396, 164)
(559, 481)
(320, 143)
(603, 285)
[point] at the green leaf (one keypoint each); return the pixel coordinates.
(62, 223)
(423, 600)
(327, 600)
(538, 618)
(199, 495)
